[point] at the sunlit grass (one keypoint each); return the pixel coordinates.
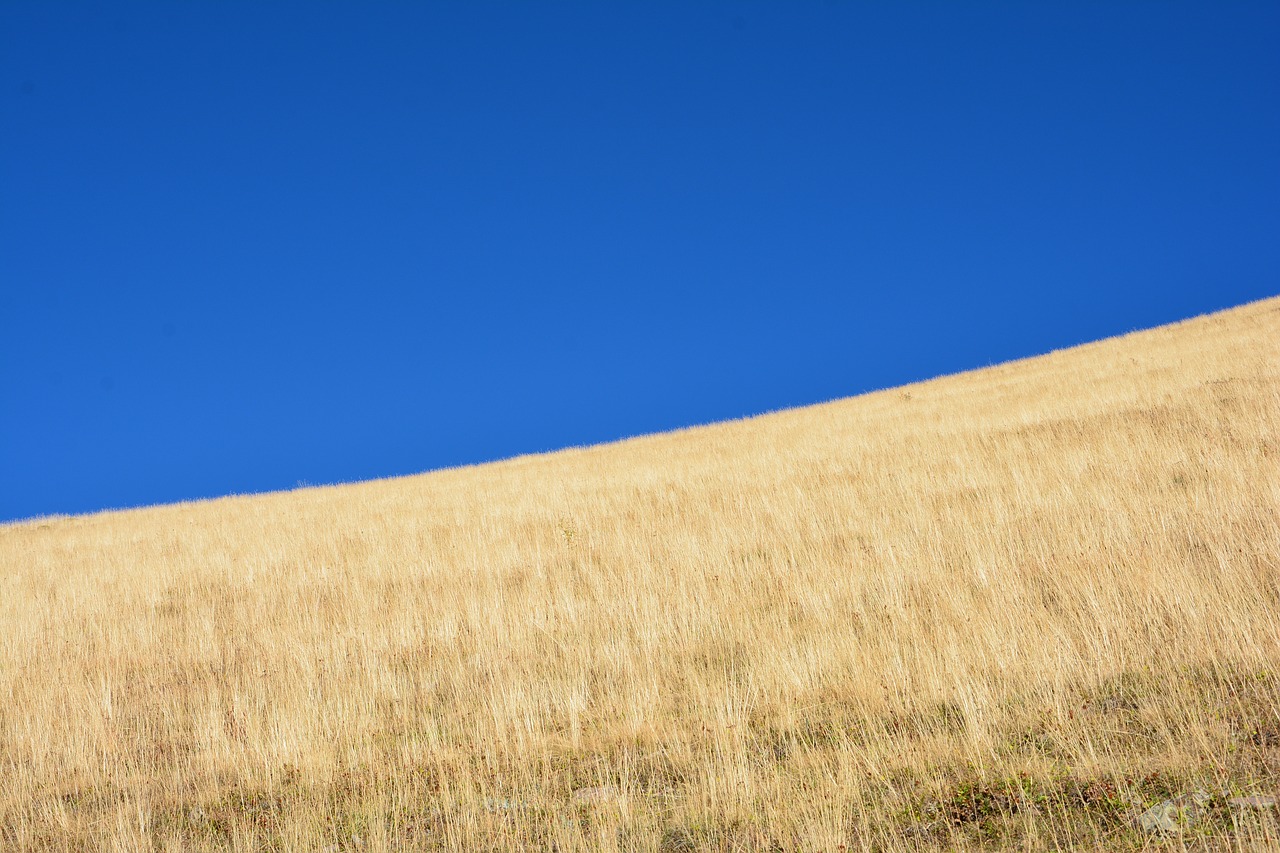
(997, 608)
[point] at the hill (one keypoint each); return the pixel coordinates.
(1015, 606)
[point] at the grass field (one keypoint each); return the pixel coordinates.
(1007, 608)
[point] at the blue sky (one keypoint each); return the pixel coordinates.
(246, 245)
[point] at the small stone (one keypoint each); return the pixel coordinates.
(1259, 801)
(1162, 817)
(1176, 814)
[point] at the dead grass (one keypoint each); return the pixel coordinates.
(986, 610)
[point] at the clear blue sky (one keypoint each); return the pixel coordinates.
(244, 245)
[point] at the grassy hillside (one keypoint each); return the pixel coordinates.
(1008, 607)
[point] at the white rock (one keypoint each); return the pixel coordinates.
(1176, 814)
(1258, 801)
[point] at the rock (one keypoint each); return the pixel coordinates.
(595, 796)
(1176, 814)
(1258, 801)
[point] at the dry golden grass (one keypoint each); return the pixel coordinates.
(981, 610)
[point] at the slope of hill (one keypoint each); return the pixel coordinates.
(1011, 606)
